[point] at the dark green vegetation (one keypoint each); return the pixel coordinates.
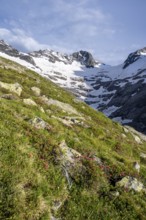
(32, 180)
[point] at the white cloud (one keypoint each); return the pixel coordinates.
(19, 37)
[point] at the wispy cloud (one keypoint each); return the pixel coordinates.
(20, 39)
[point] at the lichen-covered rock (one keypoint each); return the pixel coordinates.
(14, 88)
(64, 106)
(36, 91)
(39, 123)
(70, 161)
(130, 183)
(29, 102)
(68, 155)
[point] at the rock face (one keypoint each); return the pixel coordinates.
(14, 88)
(134, 57)
(5, 48)
(85, 58)
(131, 183)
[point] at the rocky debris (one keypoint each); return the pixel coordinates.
(14, 88)
(39, 123)
(8, 96)
(29, 102)
(36, 91)
(64, 106)
(130, 183)
(69, 121)
(136, 166)
(143, 158)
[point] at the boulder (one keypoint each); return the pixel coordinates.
(64, 106)
(14, 88)
(36, 91)
(68, 155)
(130, 183)
(29, 102)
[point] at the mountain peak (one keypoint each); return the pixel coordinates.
(134, 57)
(85, 58)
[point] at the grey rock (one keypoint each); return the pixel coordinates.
(131, 183)
(9, 50)
(29, 102)
(64, 106)
(36, 90)
(39, 123)
(85, 58)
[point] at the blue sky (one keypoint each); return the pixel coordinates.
(109, 29)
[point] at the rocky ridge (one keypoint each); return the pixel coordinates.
(119, 91)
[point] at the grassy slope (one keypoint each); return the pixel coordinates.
(30, 178)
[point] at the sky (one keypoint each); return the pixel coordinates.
(109, 29)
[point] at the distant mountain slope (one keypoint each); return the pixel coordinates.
(61, 159)
(117, 91)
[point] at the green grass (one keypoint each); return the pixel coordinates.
(31, 179)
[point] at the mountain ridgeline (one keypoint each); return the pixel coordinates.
(117, 91)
